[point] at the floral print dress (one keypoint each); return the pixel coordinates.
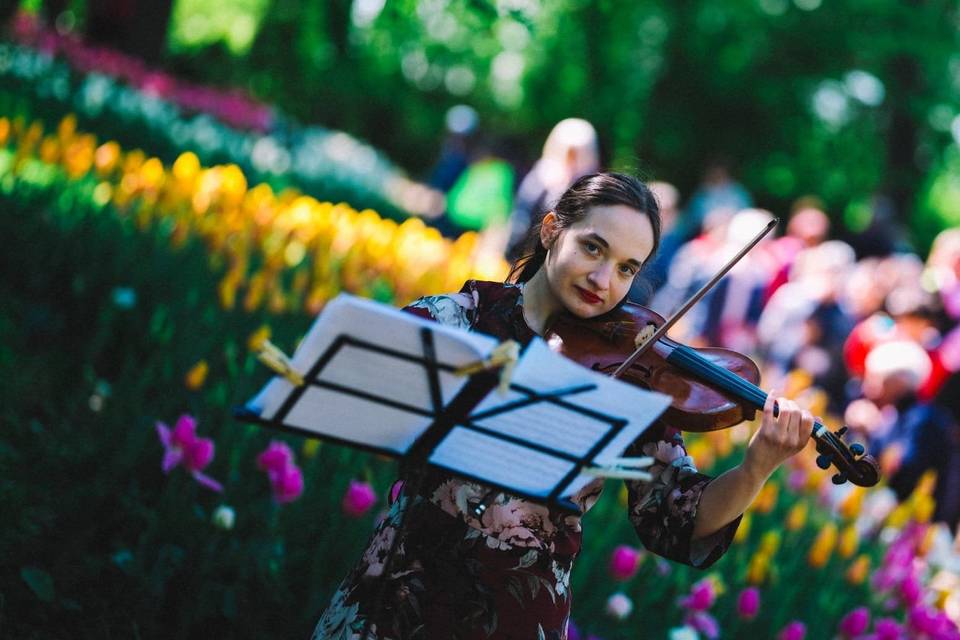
(503, 575)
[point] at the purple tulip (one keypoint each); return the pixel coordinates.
(855, 622)
(888, 629)
(748, 603)
(358, 499)
(796, 630)
(701, 596)
(624, 562)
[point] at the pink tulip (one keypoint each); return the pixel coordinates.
(888, 629)
(286, 479)
(624, 562)
(358, 499)
(704, 623)
(796, 630)
(181, 446)
(277, 456)
(911, 590)
(855, 622)
(701, 596)
(748, 603)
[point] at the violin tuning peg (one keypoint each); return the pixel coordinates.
(857, 449)
(842, 431)
(839, 478)
(824, 461)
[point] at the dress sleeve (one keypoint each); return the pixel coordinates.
(455, 309)
(663, 510)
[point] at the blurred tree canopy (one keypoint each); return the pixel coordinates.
(843, 100)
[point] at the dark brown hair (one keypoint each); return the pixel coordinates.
(592, 190)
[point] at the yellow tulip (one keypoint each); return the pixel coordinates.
(743, 531)
(849, 541)
(851, 504)
(923, 507)
(899, 516)
(859, 569)
(310, 447)
(766, 499)
(106, 157)
(5, 131)
(758, 569)
(197, 375)
(770, 542)
(823, 546)
(797, 516)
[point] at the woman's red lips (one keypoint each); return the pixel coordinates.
(586, 296)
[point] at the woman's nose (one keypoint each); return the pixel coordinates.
(600, 277)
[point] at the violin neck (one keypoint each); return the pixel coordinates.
(689, 360)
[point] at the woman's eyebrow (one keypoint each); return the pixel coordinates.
(606, 245)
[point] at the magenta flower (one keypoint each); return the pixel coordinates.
(701, 596)
(888, 629)
(935, 624)
(911, 589)
(704, 623)
(358, 499)
(796, 630)
(181, 446)
(286, 479)
(748, 603)
(624, 562)
(854, 623)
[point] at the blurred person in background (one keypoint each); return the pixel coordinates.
(807, 227)
(569, 152)
(670, 242)
(483, 194)
(908, 436)
(730, 311)
(803, 325)
(460, 127)
(717, 190)
(687, 272)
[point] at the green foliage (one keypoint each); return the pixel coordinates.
(806, 97)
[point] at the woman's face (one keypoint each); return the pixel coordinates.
(591, 264)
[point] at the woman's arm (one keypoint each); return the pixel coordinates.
(777, 439)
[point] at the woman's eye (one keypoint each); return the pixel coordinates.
(628, 271)
(591, 247)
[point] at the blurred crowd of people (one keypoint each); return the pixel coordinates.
(875, 326)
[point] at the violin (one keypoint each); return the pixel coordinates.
(712, 388)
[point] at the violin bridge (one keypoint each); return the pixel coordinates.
(644, 335)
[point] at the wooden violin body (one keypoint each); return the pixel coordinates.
(712, 388)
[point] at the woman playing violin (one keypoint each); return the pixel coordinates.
(479, 563)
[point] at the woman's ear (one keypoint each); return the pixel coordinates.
(548, 229)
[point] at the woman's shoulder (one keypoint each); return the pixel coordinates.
(461, 309)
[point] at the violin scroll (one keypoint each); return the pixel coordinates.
(851, 463)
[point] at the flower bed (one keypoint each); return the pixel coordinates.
(283, 249)
(118, 97)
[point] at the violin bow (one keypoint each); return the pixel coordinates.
(679, 313)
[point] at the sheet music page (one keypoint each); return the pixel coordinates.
(561, 426)
(497, 461)
(405, 384)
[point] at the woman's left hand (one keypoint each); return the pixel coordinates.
(779, 437)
